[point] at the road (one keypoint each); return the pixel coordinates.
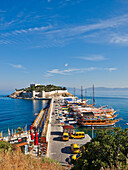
(58, 149)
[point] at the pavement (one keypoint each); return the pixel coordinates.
(58, 149)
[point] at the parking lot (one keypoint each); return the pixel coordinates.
(58, 149)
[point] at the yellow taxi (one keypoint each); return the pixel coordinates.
(65, 136)
(75, 157)
(75, 148)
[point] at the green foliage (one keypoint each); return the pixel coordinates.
(5, 146)
(40, 88)
(19, 89)
(19, 129)
(64, 88)
(109, 148)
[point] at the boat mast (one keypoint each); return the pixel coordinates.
(85, 94)
(93, 95)
(74, 94)
(74, 91)
(81, 93)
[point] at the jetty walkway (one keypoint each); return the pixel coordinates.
(41, 125)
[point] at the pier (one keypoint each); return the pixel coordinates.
(41, 125)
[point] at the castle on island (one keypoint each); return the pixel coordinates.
(40, 91)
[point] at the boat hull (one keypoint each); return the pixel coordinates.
(101, 123)
(98, 125)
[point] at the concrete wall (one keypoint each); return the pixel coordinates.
(42, 94)
(36, 94)
(54, 92)
(49, 128)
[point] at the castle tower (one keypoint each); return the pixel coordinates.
(43, 94)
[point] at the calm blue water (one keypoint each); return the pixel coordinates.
(16, 113)
(115, 99)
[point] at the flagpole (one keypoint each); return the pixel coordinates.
(12, 132)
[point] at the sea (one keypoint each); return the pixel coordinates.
(16, 113)
(118, 100)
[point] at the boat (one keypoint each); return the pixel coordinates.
(126, 123)
(97, 122)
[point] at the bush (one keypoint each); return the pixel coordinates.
(108, 149)
(5, 146)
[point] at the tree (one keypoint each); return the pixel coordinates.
(109, 148)
(19, 130)
(32, 88)
(64, 88)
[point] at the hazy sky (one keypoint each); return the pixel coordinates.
(63, 42)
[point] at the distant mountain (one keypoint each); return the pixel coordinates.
(71, 90)
(108, 89)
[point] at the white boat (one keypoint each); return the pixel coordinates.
(71, 122)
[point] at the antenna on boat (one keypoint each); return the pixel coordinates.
(93, 95)
(81, 93)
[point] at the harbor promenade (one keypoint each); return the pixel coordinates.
(58, 149)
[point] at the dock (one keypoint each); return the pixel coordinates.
(41, 125)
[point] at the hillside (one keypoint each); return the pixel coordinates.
(11, 158)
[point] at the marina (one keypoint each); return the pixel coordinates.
(63, 116)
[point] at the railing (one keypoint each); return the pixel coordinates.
(37, 120)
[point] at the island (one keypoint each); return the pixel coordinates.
(37, 91)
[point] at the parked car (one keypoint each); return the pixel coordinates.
(78, 135)
(75, 148)
(65, 136)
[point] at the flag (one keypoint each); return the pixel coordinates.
(8, 131)
(1, 134)
(36, 139)
(25, 128)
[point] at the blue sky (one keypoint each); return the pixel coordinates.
(63, 42)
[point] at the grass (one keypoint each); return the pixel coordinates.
(15, 160)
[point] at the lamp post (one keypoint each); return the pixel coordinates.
(92, 132)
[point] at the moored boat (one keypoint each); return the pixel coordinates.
(97, 122)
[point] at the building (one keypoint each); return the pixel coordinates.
(31, 85)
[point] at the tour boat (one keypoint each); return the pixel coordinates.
(97, 122)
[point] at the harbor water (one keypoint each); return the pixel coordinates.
(118, 100)
(16, 113)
